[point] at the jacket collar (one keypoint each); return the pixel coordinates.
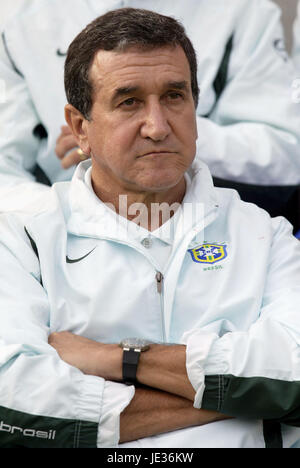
(89, 216)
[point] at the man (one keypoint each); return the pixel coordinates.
(248, 125)
(213, 287)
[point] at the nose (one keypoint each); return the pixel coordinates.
(155, 124)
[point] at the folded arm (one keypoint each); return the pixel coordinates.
(164, 404)
(153, 412)
(251, 373)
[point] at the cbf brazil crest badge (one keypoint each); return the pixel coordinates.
(209, 253)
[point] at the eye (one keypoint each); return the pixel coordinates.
(130, 102)
(175, 96)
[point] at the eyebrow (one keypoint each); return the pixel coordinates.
(125, 90)
(183, 85)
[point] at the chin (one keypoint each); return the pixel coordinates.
(159, 184)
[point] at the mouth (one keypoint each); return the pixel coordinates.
(156, 153)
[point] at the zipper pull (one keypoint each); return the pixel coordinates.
(159, 281)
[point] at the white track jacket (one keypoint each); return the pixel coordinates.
(231, 293)
(248, 124)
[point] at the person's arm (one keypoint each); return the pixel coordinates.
(252, 134)
(46, 401)
(40, 394)
(18, 119)
(252, 373)
(153, 412)
(255, 372)
(164, 404)
(19, 142)
(161, 367)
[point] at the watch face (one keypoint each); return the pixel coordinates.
(135, 343)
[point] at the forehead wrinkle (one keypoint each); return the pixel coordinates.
(130, 67)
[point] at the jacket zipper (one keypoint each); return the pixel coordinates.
(158, 277)
(159, 284)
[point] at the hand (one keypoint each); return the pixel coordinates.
(67, 149)
(89, 356)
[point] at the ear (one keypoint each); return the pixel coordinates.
(78, 126)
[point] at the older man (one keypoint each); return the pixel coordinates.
(148, 303)
(248, 124)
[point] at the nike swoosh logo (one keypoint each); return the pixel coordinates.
(60, 53)
(75, 260)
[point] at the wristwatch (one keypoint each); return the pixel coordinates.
(132, 348)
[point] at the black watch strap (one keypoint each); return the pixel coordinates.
(130, 363)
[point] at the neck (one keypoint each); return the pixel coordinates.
(149, 210)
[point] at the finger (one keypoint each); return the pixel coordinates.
(65, 130)
(52, 338)
(56, 338)
(71, 159)
(64, 144)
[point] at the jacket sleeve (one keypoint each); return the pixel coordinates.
(44, 402)
(252, 133)
(19, 139)
(18, 119)
(256, 373)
